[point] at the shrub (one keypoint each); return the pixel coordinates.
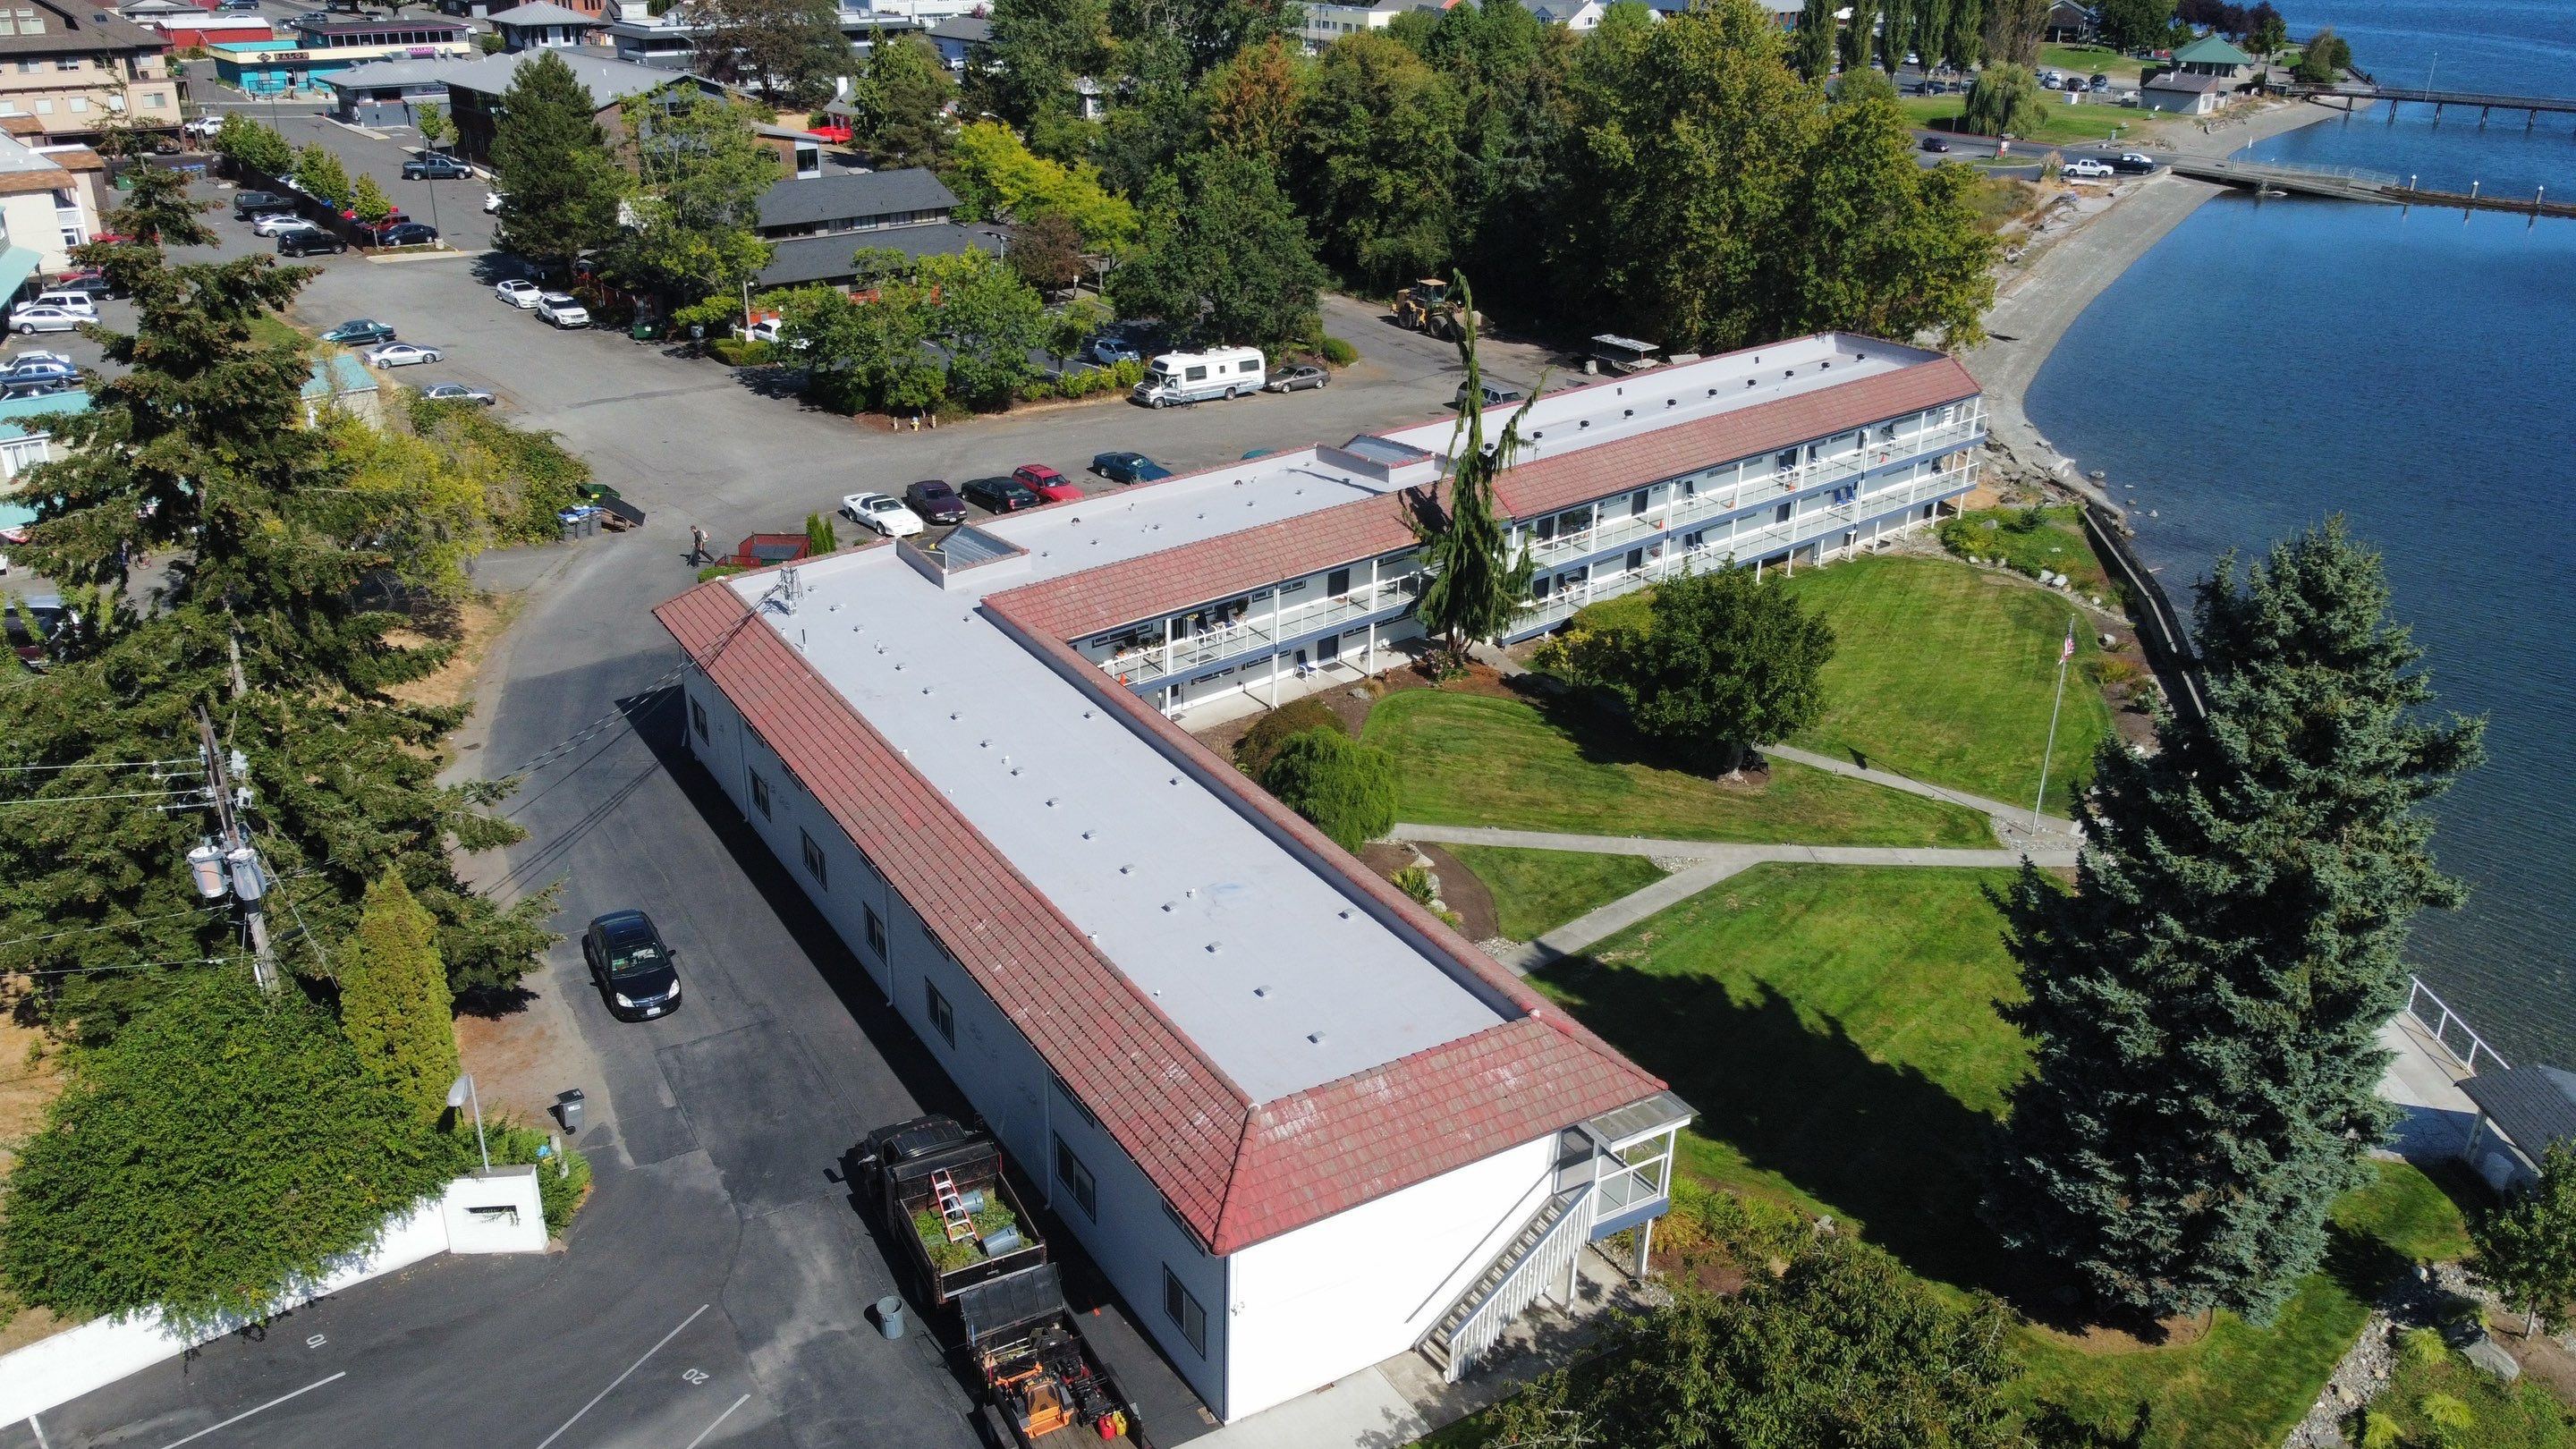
(1414, 881)
(820, 536)
(2111, 671)
(560, 1189)
(1345, 788)
(1338, 353)
(719, 570)
(1253, 752)
(742, 352)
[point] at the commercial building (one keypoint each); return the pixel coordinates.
(544, 25)
(1299, 1123)
(324, 45)
(76, 70)
(817, 225)
(476, 88)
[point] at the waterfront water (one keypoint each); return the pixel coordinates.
(2271, 362)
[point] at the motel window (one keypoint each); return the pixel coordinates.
(68, 62)
(1070, 1171)
(79, 104)
(815, 865)
(44, 106)
(1637, 503)
(876, 932)
(1338, 582)
(942, 1015)
(156, 99)
(1070, 1100)
(760, 794)
(1185, 1311)
(698, 719)
(1782, 514)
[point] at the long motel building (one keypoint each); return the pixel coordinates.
(1300, 1124)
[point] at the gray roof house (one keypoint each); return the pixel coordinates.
(816, 227)
(476, 88)
(543, 25)
(959, 37)
(2522, 1110)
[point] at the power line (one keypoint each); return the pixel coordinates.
(612, 718)
(101, 765)
(129, 795)
(110, 926)
(130, 966)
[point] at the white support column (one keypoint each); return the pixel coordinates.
(1645, 1246)
(1275, 651)
(1167, 652)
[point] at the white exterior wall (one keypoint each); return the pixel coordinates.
(1132, 1238)
(1328, 23)
(1364, 1285)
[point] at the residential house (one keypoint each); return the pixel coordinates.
(1326, 23)
(1300, 1125)
(2182, 93)
(48, 205)
(545, 25)
(79, 70)
(1578, 16)
(324, 45)
(24, 441)
(961, 39)
(2071, 23)
(816, 226)
(475, 90)
(387, 92)
(799, 153)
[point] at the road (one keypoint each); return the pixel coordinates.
(714, 1290)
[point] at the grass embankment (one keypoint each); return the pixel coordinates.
(2092, 60)
(1836, 1028)
(2028, 540)
(1479, 759)
(2066, 125)
(1944, 673)
(1536, 891)
(2483, 1412)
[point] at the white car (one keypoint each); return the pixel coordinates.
(403, 354)
(491, 202)
(562, 309)
(518, 293)
(33, 318)
(2086, 169)
(885, 515)
(279, 223)
(203, 126)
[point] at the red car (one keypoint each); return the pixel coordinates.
(1046, 483)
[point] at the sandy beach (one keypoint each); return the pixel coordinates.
(2062, 272)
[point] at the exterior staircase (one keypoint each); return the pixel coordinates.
(1532, 1264)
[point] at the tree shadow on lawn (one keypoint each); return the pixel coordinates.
(1884, 1144)
(1595, 722)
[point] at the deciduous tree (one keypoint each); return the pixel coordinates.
(322, 176)
(226, 1145)
(1047, 251)
(368, 200)
(987, 320)
(899, 103)
(789, 52)
(700, 176)
(2325, 58)
(1381, 137)
(436, 130)
(394, 998)
(1257, 100)
(1859, 38)
(254, 144)
(873, 354)
(1025, 72)
(996, 176)
(1730, 662)
(1225, 258)
(2135, 24)
(559, 186)
(1814, 42)
(2005, 100)
(1882, 246)
(2204, 1005)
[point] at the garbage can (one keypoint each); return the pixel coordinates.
(568, 1111)
(890, 1316)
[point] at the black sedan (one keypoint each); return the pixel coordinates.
(434, 166)
(406, 234)
(1935, 144)
(935, 501)
(312, 243)
(1128, 467)
(1000, 495)
(631, 966)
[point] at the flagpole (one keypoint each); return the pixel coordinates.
(2046, 755)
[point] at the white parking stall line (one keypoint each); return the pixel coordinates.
(720, 1418)
(621, 1378)
(262, 1409)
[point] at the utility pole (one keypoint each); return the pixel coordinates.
(233, 863)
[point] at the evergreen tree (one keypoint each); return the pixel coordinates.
(1344, 788)
(1476, 586)
(2526, 1247)
(2204, 1005)
(1037, 49)
(195, 446)
(559, 186)
(1813, 41)
(394, 998)
(158, 211)
(899, 103)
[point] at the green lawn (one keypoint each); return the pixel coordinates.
(1474, 759)
(1836, 1030)
(2066, 125)
(2503, 1416)
(1536, 891)
(2029, 540)
(2091, 60)
(1945, 673)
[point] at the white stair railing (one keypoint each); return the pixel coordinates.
(1538, 1273)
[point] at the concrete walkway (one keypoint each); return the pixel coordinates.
(2011, 821)
(1712, 863)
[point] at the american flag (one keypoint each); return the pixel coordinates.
(2069, 651)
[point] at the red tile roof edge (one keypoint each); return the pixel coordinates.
(1284, 1164)
(1064, 606)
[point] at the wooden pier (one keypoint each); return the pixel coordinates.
(2341, 184)
(2397, 97)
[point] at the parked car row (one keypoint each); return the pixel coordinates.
(560, 308)
(1030, 485)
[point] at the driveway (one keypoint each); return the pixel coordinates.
(715, 1289)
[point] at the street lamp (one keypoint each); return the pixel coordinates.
(461, 1091)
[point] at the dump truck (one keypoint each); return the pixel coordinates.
(939, 1187)
(1426, 307)
(1041, 1377)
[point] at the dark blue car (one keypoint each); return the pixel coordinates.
(1128, 467)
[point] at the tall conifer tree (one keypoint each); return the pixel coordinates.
(1476, 586)
(394, 998)
(2204, 1004)
(1811, 49)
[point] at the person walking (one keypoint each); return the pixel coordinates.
(697, 546)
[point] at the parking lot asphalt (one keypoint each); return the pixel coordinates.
(715, 1290)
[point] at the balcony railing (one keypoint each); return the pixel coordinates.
(1260, 630)
(1752, 492)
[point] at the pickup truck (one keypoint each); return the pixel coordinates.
(939, 1188)
(1044, 1383)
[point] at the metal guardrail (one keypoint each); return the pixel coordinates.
(2441, 1026)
